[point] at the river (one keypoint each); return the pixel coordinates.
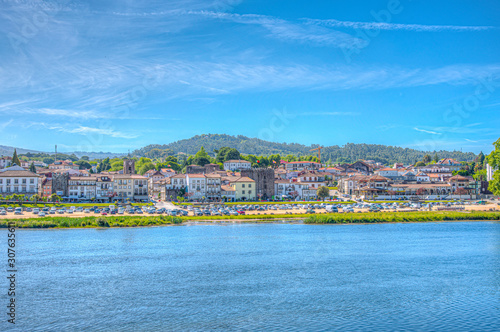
(259, 277)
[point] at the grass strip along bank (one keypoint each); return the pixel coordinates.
(353, 218)
(332, 218)
(92, 222)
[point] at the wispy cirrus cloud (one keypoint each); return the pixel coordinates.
(393, 26)
(6, 124)
(427, 131)
(287, 30)
(329, 113)
(101, 131)
(81, 130)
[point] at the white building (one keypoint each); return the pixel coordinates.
(167, 172)
(5, 162)
(196, 186)
(104, 188)
(302, 165)
(312, 180)
(286, 189)
(132, 187)
(422, 177)
(177, 182)
(213, 186)
(489, 172)
(15, 181)
(452, 164)
(388, 172)
(234, 165)
(82, 187)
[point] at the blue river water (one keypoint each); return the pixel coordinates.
(259, 277)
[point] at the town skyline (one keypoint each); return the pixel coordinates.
(120, 76)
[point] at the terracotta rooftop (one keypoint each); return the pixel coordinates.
(18, 174)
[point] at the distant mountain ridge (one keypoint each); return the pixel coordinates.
(350, 152)
(9, 150)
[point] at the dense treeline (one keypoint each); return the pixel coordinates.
(254, 146)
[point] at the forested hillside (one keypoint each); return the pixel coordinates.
(347, 153)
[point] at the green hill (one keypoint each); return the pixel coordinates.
(348, 153)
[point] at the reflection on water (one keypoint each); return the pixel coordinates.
(413, 277)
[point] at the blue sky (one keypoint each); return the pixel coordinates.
(118, 75)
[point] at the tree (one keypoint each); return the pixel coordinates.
(32, 168)
(83, 164)
(323, 192)
(426, 159)
(420, 164)
(15, 159)
(221, 154)
(436, 159)
(21, 198)
(146, 167)
(35, 198)
(480, 175)
(494, 161)
(201, 157)
(232, 154)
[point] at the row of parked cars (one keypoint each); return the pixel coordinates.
(234, 210)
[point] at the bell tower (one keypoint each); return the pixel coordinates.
(128, 166)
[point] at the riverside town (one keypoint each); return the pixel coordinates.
(200, 184)
(250, 165)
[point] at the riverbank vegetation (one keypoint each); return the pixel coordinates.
(332, 218)
(91, 222)
(385, 217)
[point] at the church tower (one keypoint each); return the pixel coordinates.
(128, 166)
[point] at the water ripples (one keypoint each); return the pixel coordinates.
(415, 277)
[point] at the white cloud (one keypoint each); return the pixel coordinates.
(329, 113)
(82, 130)
(427, 131)
(100, 131)
(394, 26)
(287, 30)
(6, 124)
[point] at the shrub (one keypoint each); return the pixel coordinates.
(102, 222)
